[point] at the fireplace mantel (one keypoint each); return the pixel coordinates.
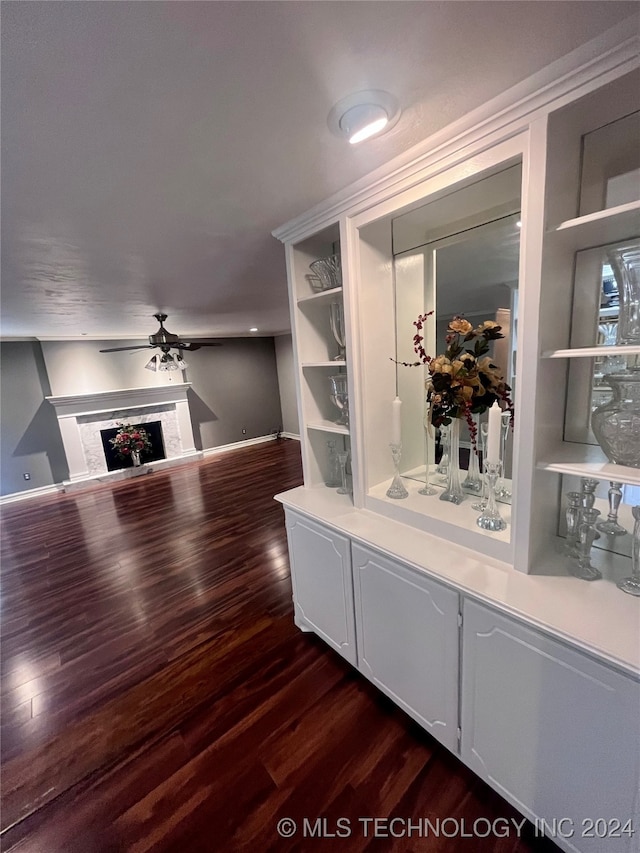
(124, 398)
(82, 416)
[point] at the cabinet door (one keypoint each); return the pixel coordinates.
(322, 586)
(552, 730)
(407, 632)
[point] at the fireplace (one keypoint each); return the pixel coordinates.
(115, 462)
(83, 418)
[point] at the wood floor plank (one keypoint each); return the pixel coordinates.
(158, 697)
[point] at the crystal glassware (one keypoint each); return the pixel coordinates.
(328, 271)
(336, 316)
(632, 584)
(611, 526)
(473, 482)
(343, 458)
(574, 509)
(340, 397)
(491, 518)
(453, 490)
(481, 504)
(396, 490)
(581, 567)
(333, 466)
(625, 263)
(443, 466)
(427, 489)
(616, 424)
(503, 493)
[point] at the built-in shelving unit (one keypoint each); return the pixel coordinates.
(597, 229)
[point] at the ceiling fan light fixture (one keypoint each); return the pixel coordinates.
(152, 364)
(363, 115)
(182, 364)
(167, 362)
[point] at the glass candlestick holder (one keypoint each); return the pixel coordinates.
(397, 490)
(611, 526)
(582, 568)
(491, 518)
(632, 584)
(574, 509)
(343, 458)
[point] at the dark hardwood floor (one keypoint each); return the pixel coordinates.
(156, 695)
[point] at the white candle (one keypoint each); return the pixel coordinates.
(396, 421)
(493, 434)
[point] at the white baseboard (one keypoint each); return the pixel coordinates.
(237, 445)
(291, 435)
(30, 493)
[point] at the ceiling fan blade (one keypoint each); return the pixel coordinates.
(121, 349)
(192, 347)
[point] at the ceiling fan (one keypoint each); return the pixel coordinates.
(165, 340)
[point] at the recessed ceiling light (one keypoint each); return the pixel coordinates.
(253, 329)
(363, 115)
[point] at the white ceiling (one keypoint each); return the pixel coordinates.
(149, 149)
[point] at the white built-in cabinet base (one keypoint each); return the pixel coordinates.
(553, 730)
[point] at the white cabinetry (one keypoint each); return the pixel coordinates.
(407, 635)
(322, 589)
(552, 730)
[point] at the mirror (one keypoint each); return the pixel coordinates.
(595, 322)
(458, 254)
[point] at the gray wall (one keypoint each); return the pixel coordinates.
(234, 387)
(287, 384)
(30, 440)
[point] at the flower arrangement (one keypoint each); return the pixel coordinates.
(130, 438)
(463, 381)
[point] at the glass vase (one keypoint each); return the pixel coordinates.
(472, 482)
(616, 424)
(632, 584)
(453, 490)
(625, 263)
(135, 458)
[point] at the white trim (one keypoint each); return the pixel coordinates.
(236, 445)
(290, 435)
(125, 398)
(608, 55)
(30, 493)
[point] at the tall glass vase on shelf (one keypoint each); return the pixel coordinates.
(632, 584)
(427, 489)
(625, 263)
(472, 482)
(453, 490)
(336, 316)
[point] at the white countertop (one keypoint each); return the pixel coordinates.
(596, 617)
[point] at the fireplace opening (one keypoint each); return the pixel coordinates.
(115, 462)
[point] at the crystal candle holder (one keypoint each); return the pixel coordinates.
(397, 490)
(631, 584)
(491, 518)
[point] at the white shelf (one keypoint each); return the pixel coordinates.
(591, 352)
(332, 363)
(328, 426)
(597, 229)
(320, 297)
(586, 460)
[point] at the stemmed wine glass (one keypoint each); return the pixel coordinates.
(340, 397)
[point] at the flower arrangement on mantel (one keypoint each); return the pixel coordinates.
(463, 381)
(128, 439)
